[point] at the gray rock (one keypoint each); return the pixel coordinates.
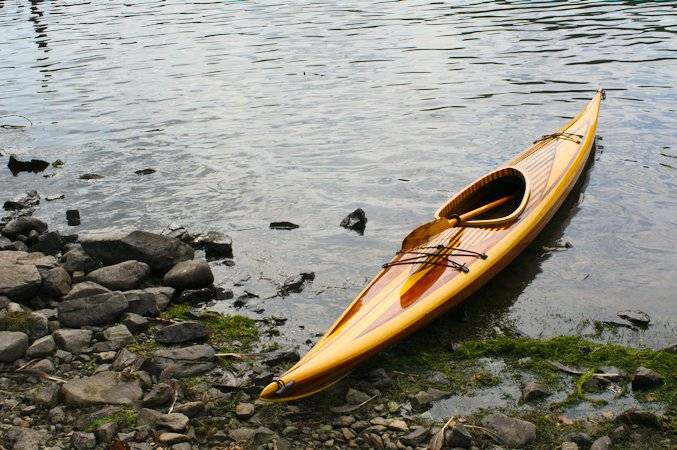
(355, 397)
(33, 324)
(533, 391)
(135, 323)
(73, 341)
(82, 441)
(106, 433)
(121, 277)
(242, 434)
(281, 356)
(85, 289)
(580, 438)
(173, 421)
(44, 346)
(56, 282)
(125, 359)
(19, 281)
(379, 378)
(56, 415)
(44, 365)
(218, 246)
(568, 446)
(13, 345)
(458, 436)
(244, 410)
(95, 310)
(143, 303)
(190, 409)
(295, 284)
(49, 243)
(23, 225)
(159, 395)
(181, 332)
(603, 443)
(161, 253)
(415, 438)
(424, 398)
(192, 274)
(103, 388)
(119, 335)
(181, 362)
(172, 438)
(26, 438)
(639, 318)
(646, 379)
(512, 432)
(47, 395)
(76, 260)
(197, 295)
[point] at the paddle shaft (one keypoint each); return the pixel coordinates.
(482, 209)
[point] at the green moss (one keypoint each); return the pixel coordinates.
(144, 349)
(176, 311)
(192, 386)
(16, 321)
(125, 418)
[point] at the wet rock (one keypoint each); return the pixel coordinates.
(72, 217)
(646, 379)
(31, 199)
(121, 277)
(415, 438)
(182, 362)
(85, 289)
(119, 335)
(49, 243)
(34, 165)
(424, 398)
(181, 332)
(44, 346)
(172, 438)
(217, 247)
(244, 410)
(144, 171)
(512, 432)
(194, 296)
(283, 225)
(26, 438)
(82, 441)
(295, 284)
(91, 176)
(106, 433)
(73, 341)
(356, 221)
(56, 282)
(533, 391)
(33, 324)
(18, 281)
(173, 421)
(579, 438)
(603, 443)
(47, 395)
(13, 345)
(135, 323)
(159, 395)
(635, 317)
(458, 436)
(161, 253)
(94, 310)
(23, 226)
(355, 397)
(191, 274)
(103, 388)
(77, 260)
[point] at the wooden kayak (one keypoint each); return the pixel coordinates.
(475, 234)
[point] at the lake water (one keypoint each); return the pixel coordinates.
(304, 111)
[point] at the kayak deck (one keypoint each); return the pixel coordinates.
(421, 283)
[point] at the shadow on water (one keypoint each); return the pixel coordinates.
(488, 308)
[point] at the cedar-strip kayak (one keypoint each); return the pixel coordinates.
(476, 233)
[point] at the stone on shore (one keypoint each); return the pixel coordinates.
(85, 289)
(26, 438)
(119, 335)
(41, 347)
(77, 260)
(13, 345)
(603, 443)
(73, 341)
(23, 226)
(191, 274)
(161, 253)
(160, 394)
(424, 398)
(34, 324)
(355, 397)
(533, 391)
(512, 432)
(104, 388)
(181, 362)
(646, 379)
(49, 243)
(173, 421)
(18, 281)
(121, 277)
(135, 323)
(95, 310)
(635, 317)
(56, 282)
(181, 332)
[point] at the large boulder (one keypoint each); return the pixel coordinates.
(23, 225)
(77, 260)
(189, 275)
(161, 253)
(121, 277)
(18, 281)
(103, 388)
(56, 282)
(13, 345)
(95, 310)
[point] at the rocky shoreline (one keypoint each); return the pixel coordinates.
(104, 344)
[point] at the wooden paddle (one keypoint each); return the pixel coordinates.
(423, 233)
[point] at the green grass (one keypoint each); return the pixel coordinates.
(16, 321)
(144, 349)
(125, 418)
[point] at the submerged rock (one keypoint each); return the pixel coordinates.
(295, 284)
(144, 171)
(161, 253)
(73, 217)
(356, 221)
(635, 317)
(34, 165)
(283, 226)
(121, 277)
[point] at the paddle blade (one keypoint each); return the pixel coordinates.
(422, 234)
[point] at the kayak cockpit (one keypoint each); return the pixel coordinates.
(508, 181)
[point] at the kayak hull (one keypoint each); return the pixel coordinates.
(409, 293)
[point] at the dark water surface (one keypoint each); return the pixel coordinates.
(255, 112)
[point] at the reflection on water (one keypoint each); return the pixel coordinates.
(295, 111)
